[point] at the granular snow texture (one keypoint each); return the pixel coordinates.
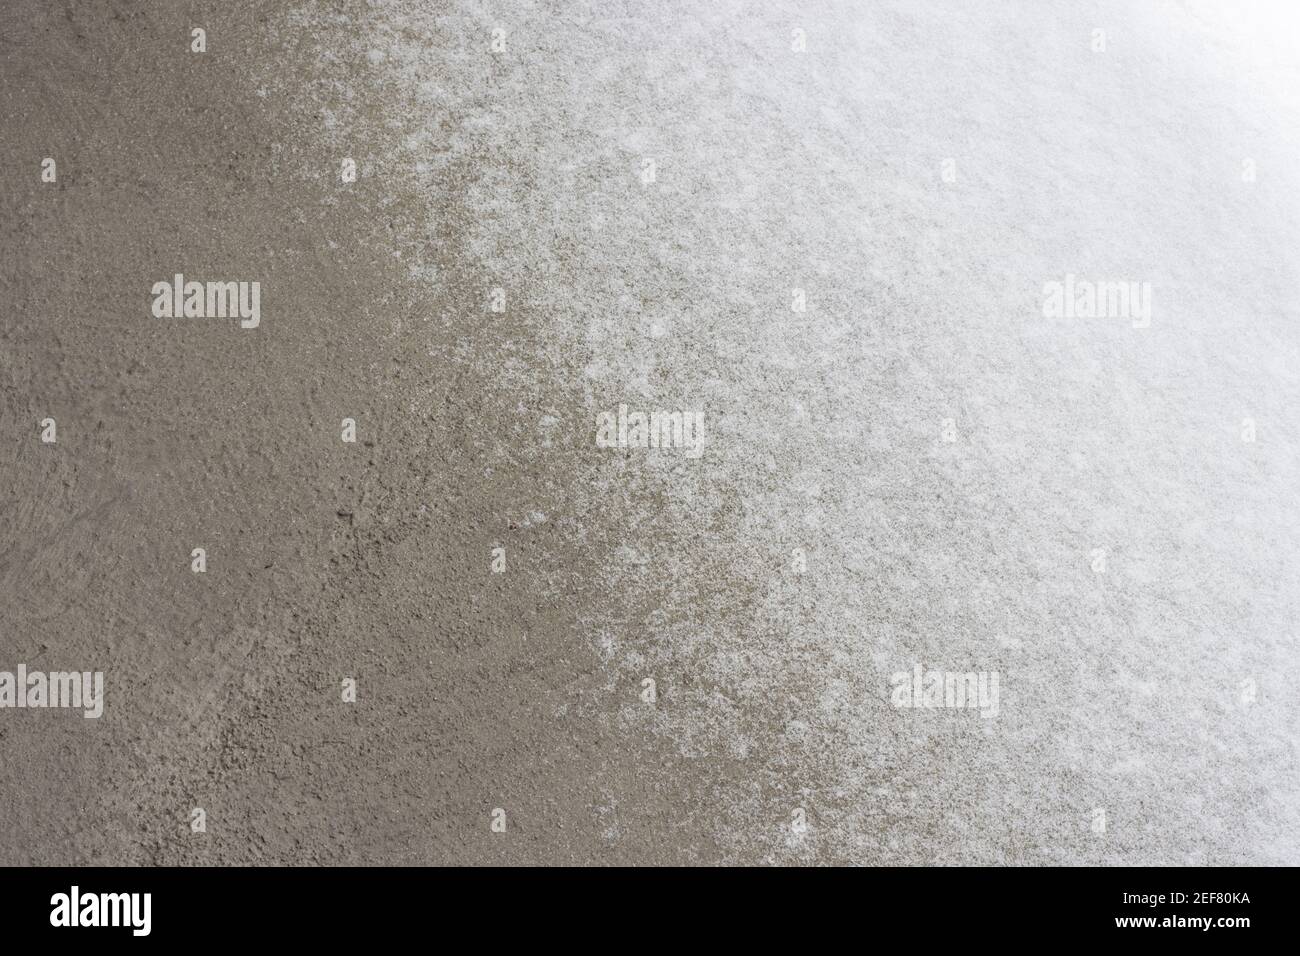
(561, 208)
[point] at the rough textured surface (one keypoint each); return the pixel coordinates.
(521, 169)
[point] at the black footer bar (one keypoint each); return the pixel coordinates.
(335, 906)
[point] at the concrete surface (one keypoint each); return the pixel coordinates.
(948, 460)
